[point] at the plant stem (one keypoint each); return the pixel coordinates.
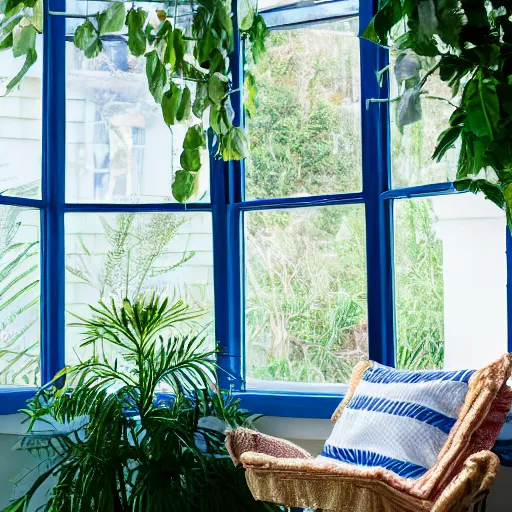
(429, 73)
(122, 485)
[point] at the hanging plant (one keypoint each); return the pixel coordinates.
(20, 22)
(469, 44)
(187, 69)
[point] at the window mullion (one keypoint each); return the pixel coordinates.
(227, 189)
(377, 181)
(53, 186)
(420, 191)
(301, 202)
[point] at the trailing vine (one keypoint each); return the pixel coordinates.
(469, 44)
(20, 22)
(187, 68)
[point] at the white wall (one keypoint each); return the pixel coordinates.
(472, 230)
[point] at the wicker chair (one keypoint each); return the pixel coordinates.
(280, 472)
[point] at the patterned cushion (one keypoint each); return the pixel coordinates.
(399, 420)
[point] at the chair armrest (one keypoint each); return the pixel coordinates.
(242, 440)
(471, 484)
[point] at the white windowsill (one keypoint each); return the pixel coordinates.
(11, 424)
(295, 387)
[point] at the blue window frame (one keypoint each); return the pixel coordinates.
(228, 207)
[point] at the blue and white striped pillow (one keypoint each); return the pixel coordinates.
(398, 419)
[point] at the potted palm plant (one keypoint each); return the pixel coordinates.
(116, 442)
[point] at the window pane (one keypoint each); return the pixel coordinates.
(19, 296)
(450, 275)
(119, 255)
(306, 135)
(412, 148)
(21, 127)
(306, 294)
(118, 147)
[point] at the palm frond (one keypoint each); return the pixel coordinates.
(19, 357)
(117, 444)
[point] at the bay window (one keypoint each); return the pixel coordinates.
(338, 239)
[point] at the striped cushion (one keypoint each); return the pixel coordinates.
(398, 419)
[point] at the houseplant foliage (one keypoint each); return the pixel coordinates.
(116, 444)
(19, 279)
(469, 43)
(187, 64)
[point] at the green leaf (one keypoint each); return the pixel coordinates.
(452, 68)
(482, 105)
(183, 186)
(407, 67)
(420, 46)
(247, 21)
(490, 190)
(218, 62)
(195, 138)
(29, 62)
(250, 94)
(449, 20)
(446, 141)
(6, 43)
(12, 4)
(388, 15)
(112, 20)
(257, 34)
(180, 48)
(217, 87)
(171, 103)
(246, 14)
(225, 24)
(505, 96)
(24, 40)
(507, 193)
(8, 24)
(164, 29)
(201, 101)
(220, 121)
(170, 52)
(156, 75)
(204, 48)
(150, 33)
(19, 505)
(480, 146)
(190, 160)
(235, 145)
(185, 105)
(427, 18)
(87, 39)
(458, 117)
(135, 20)
(472, 154)
(409, 107)
(370, 33)
(37, 16)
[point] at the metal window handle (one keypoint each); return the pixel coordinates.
(377, 100)
(69, 15)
